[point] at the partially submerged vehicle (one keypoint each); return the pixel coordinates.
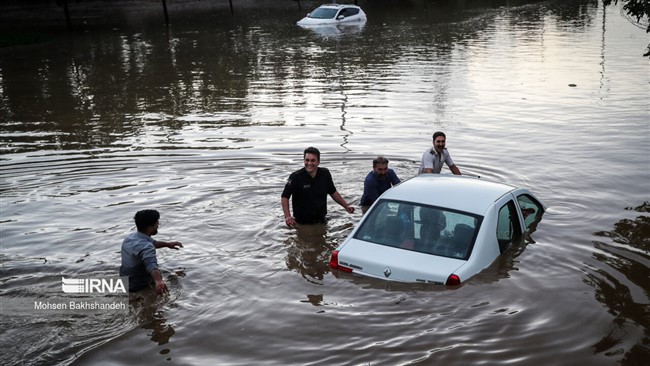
(438, 229)
(333, 14)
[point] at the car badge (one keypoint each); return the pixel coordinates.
(387, 272)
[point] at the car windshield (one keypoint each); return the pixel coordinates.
(420, 228)
(323, 13)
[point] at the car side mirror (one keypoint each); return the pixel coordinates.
(340, 17)
(308, 14)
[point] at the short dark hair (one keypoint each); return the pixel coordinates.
(439, 133)
(311, 150)
(146, 218)
(380, 160)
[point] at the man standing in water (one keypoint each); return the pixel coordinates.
(139, 260)
(378, 181)
(308, 189)
(433, 158)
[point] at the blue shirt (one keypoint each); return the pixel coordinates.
(138, 260)
(373, 187)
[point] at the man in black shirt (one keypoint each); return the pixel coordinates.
(308, 188)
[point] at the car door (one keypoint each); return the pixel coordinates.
(349, 14)
(509, 227)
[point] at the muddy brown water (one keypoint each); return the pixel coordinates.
(205, 119)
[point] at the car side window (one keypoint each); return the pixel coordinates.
(508, 228)
(350, 12)
(531, 209)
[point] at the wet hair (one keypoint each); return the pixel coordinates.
(380, 160)
(439, 133)
(146, 218)
(311, 150)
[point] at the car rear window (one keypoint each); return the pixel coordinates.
(421, 228)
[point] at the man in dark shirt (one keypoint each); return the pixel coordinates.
(308, 189)
(378, 181)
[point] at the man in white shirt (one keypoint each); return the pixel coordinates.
(433, 158)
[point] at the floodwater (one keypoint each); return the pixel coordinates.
(205, 119)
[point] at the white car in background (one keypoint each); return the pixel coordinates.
(333, 14)
(438, 229)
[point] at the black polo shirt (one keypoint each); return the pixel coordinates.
(309, 195)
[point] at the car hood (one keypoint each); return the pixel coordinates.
(396, 264)
(312, 21)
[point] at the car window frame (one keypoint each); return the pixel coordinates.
(348, 12)
(536, 217)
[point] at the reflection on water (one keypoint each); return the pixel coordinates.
(308, 252)
(336, 31)
(111, 86)
(622, 285)
(634, 233)
(149, 315)
(204, 120)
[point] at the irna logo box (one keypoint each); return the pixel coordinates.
(114, 285)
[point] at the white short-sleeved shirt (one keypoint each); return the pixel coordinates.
(432, 160)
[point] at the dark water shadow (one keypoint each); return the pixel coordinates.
(622, 285)
(308, 252)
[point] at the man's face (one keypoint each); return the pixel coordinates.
(439, 144)
(154, 228)
(311, 163)
(380, 170)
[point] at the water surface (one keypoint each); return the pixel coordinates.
(205, 119)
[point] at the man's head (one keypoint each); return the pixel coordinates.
(311, 158)
(147, 221)
(439, 141)
(380, 166)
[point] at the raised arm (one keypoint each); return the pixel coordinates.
(167, 244)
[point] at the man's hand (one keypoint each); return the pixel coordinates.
(349, 209)
(290, 221)
(174, 245)
(171, 245)
(161, 287)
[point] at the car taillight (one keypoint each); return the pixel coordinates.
(453, 280)
(334, 262)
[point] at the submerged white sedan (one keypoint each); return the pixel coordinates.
(438, 229)
(333, 14)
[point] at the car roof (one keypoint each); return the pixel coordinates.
(338, 6)
(464, 193)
